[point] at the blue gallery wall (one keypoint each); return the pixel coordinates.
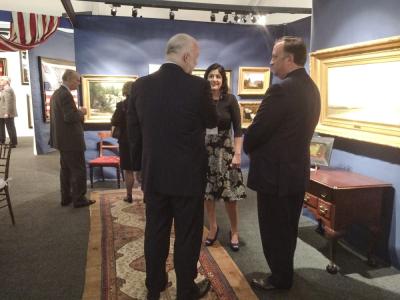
(126, 46)
(59, 46)
(352, 22)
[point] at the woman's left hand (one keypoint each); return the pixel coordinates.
(236, 160)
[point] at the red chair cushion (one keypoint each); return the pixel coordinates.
(105, 161)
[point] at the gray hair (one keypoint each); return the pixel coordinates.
(178, 43)
(69, 74)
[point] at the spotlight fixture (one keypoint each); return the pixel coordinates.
(243, 19)
(253, 18)
(212, 17)
(171, 15)
(134, 12)
(113, 11)
(236, 17)
(225, 18)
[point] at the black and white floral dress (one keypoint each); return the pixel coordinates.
(224, 182)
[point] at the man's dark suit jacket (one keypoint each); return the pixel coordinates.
(168, 112)
(66, 128)
(279, 138)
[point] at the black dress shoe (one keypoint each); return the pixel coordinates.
(209, 241)
(201, 289)
(84, 203)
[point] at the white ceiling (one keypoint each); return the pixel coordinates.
(55, 7)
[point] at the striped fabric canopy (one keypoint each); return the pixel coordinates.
(28, 31)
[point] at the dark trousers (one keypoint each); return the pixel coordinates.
(187, 214)
(72, 176)
(12, 133)
(278, 218)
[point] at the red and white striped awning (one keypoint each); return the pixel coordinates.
(28, 31)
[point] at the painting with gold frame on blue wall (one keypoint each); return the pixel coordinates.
(101, 93)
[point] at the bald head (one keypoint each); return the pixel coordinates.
(183, 50)
(4, 80)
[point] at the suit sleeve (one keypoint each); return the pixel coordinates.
(116, 117)
(70, 113)
(134, 131)
(267, 120)
(209, 109)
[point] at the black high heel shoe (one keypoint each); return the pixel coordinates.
(210, 242)
(233, 246)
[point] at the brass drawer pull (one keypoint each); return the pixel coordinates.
(323, 210)
(306, 198)
(324, 195)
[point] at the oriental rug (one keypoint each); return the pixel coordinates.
(115, 260)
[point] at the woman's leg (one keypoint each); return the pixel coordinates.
(212, 219)
(231, 209)
(129, 181)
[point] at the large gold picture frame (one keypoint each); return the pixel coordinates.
(100, 95)
(248, 110)
(253, 81)
(360, 95)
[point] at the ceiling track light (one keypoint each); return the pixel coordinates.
(225, 18)
(212, 17)
(243, 19)
(236, 17)
(253, 19)
(171, 14)
(113, 11)
(134, 12)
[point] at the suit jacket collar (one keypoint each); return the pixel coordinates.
(296, 72)
(171, 66)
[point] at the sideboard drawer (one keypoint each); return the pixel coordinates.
(320, 191)
(324, 209)
(310, 200)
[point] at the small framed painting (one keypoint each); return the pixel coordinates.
(3, 66)
(248, 110)
(24, 63)
(321, 150)
(253, 80)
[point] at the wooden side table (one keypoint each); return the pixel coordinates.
(340, 198)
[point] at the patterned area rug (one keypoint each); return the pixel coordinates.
(120, 258)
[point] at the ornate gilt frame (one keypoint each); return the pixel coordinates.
(360, 120)
(244, 90)
(95, 112)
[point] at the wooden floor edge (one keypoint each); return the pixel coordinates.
(92, 288)
(231, 271)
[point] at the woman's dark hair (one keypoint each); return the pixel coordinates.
(221, 70)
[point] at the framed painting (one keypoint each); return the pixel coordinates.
(3, 66)
(248, 110)
(24, 63)
(321, 150)
(360, 98)
(253, 80)
(50, 77)
(100, 95)
(201, 72)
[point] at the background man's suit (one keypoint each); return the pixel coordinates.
(278, 144)
(8, 106)
(168, 112)
(66, 135)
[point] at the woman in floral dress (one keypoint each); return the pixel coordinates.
(224, 177)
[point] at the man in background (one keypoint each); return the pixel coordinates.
(278, 143)
(168, 113)
(66, 135)
(8, 110)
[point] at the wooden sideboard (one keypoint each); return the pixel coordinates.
(340, 198)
